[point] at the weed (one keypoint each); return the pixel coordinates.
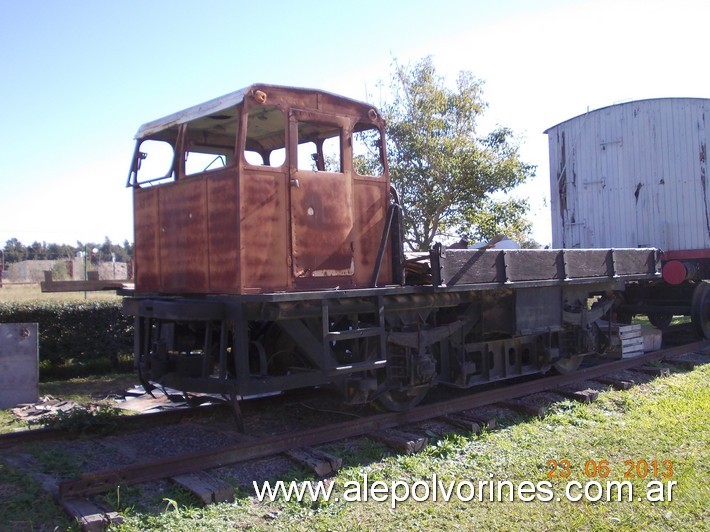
(91, 419)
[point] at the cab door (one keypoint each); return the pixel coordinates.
(321, 201)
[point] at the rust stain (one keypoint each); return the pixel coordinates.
(703, 182)
(562, 184)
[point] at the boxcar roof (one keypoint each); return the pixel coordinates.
(225, 102)
(633, 102)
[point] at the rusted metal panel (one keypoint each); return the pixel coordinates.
(146, 231)
(183, 237)
(322, 226)
(369, 221)
(223, 232)
(265, 245)
(632, 175)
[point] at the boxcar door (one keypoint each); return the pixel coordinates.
(321, 201)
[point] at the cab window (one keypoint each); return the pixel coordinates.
(265, 136)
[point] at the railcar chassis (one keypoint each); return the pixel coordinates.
(488, 315)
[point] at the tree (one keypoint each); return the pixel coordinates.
(15, 251)
(37, 251)
(449, 179)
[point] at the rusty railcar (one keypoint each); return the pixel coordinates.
(268, 257)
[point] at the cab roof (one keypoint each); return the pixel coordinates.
(225, 102)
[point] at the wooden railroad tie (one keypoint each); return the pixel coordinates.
(582, 396)
(403, 442)
(207, 488)
(464, 421)
(321, 463)
(618, 384)
(471, 422)
(91, 516)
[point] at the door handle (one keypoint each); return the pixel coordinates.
(295, 183)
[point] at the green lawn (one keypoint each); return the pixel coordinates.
(664, 421)
(33, 292)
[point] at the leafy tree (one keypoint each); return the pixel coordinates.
(14, 251)
(449, 178)
(37, 251)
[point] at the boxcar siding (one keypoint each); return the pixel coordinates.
(632, 175)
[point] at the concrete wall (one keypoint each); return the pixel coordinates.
(32, 271)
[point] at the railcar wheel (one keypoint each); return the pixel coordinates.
(700, 313)
(401, 400)
(567, 365)
(660, 320)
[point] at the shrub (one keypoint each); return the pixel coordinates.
(75, 333)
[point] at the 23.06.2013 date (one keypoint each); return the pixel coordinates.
(602, 469)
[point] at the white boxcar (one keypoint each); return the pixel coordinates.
(633, 175)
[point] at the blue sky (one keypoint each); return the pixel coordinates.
(78, 78)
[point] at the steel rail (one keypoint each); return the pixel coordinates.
(102, 481)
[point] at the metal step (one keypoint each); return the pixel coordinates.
(354, 333)
(358, 366)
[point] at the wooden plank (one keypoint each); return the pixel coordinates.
(206, 487)
(320, 462)
(585, 263)
(635, 261)
(534, 264)
(91, 516)
(465, 422)
(487, 422)
(618, 384)
(582, 396)
(471, 266)
(632, 342)
(403, 442)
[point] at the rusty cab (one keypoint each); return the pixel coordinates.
(263, 190)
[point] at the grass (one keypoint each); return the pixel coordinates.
(643, 320)
(33, 292)
(82, 390)
(665, 420)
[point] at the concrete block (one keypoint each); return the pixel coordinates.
(19, 364)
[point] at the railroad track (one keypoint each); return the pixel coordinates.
(102, 481)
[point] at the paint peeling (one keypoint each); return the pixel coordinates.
(703, 182)
(638, 191)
